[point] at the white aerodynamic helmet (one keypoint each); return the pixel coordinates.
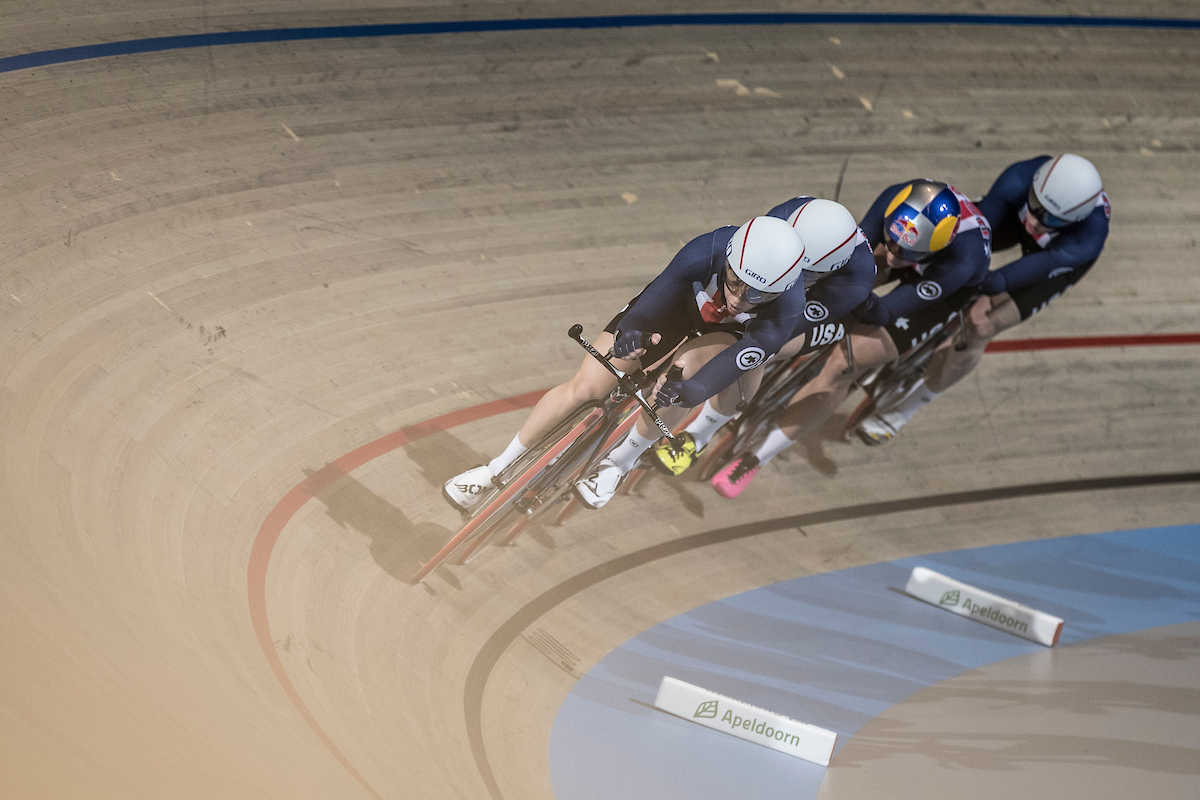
(1066, 189)
(766, 254)
(828, 230)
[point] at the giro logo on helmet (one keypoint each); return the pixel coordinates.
(815, 312)
(750, 358)
(928, 290)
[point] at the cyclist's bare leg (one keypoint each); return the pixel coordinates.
(591, 382)
(811, 406)
(693, 355)
(816, 401)
(599, 485)
(790, 349)
(985, 319)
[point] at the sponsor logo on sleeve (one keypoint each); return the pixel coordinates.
(929, 290)
(815, 312)
(950, 598)
(750, 358)
(706, 710)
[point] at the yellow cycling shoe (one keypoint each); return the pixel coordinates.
(675, 460)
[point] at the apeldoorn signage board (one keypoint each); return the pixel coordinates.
(745, 721)
(998, 612)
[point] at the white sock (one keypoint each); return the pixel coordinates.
(627, 452)
(916, 399)
(510, 454)
(777, 441)
(704, 426)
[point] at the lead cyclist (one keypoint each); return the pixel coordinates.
(839, 272)
(1057, 211)
(739, 287)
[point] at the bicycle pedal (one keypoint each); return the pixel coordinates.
(675, 460)
(465, 513)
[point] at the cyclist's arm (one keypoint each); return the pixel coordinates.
(1009, 191)
(964, 264)
(763, 339)
(872, 311)
(1072, 249)
(692, 263)
(836, 295)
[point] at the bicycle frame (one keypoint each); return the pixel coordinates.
(890, 382)
(764, 408)
(536, 479)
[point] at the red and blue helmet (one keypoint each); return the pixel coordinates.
(922, 219)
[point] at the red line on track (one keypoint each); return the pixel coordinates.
(313, 485)
(1072, 342)
(310, 487)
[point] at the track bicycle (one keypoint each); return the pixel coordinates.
(888, 385)
(544, 475)
(744, 432)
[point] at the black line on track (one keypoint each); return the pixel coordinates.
(491, 652)
(837, 193)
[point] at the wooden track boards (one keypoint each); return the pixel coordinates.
(224, 268)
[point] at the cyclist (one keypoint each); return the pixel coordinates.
(839, 272)
(1057, 211)
(932, 240)
(740, 287)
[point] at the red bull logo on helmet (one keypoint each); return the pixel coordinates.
(904, 232)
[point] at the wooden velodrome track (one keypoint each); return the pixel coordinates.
(224, 268)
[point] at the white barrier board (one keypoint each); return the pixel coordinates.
(981, 606)
(745, 721)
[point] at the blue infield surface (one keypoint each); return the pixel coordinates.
(837, 649)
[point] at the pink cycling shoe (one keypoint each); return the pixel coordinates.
(736, 476)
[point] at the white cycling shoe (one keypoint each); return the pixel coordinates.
(598, 486)
(877, 429)
(465, 490)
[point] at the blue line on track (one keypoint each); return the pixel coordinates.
(68, 54)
